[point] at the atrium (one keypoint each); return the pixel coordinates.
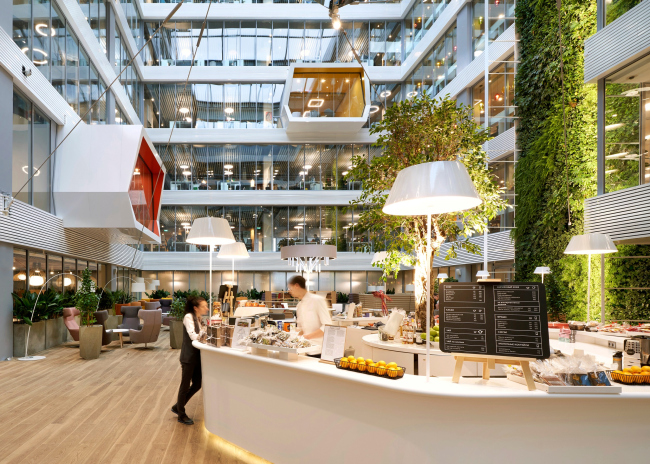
(319, 216)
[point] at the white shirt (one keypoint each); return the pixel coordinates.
(312, 314)
(188, 322)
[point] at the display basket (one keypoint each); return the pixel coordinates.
(375, 371)
(630, 379)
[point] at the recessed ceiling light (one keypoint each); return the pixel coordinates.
(229, 110)
(385, 94)
(315, 103)
(183, 110)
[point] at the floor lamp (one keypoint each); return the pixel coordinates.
(233, 251)
(210, 231)
(438, 187)
(591, 244)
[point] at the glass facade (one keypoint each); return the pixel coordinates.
(31, 148)
(261, 167)
(501, 106)
(42, 33)
(213, 106)
(627, 129)
(327, 95)
(267, 228)
(95, 13)
(129, 77)
(272, 43)
(503, 172)
(616, 8)
(437, 69)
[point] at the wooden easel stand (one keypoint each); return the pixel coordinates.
(489, 362)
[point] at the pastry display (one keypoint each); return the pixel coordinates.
(368, 366)
(272, 336)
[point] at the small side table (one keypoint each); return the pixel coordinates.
(121, 332)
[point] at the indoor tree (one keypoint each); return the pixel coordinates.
(415, 131)
(86, 299)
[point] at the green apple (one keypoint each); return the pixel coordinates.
(437, 339)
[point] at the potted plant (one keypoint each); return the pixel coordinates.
(121, 298)
(90, 335)
(176, 312)
(25, 325)
(156, 295)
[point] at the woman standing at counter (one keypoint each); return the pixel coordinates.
(195, 308)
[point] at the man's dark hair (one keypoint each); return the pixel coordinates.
(299, 281)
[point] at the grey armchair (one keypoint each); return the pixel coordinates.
(150, 329)
(102, 317)
(130, 319)
(152, 305)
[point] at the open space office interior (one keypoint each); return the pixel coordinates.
(324, 231)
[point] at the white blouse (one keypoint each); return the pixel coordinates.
(188, 322)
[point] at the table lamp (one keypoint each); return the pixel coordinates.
(210, 231)
(438, 187)
(542, 270)
(442, 276)
(589, 244)
(483, 274)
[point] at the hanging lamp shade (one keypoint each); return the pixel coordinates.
(149, 286)
(443, 275)
(210, 231)
(483, 274)
(432, 188)
(155, 282)
(542, 270)
(138, 287)
(308, 251)
(379, 257)
(236, 250)
(590, 244)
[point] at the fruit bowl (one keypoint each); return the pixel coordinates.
(630, 378)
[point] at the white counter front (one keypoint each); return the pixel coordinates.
(309, 412)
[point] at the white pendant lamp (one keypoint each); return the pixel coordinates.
(438, 187)
(442, 276)
(308, 258)
(483, 274)
(432, 188)
(589, 244)
(542, 270)
(233, 251)
(210, 231)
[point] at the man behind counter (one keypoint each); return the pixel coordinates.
(311, 313)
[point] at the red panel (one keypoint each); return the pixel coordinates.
(146, 188)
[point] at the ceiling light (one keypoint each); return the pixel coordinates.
(306, 114)
(228, 173)
(183, 166)
(336, 20)
(229, 110)
(373, 109)
(297, 227)
(385, 94)
(183, 110)
(186, 173)
(315, 103)
(411, 94)
(188, 119)
(322, 80)
(301, 173)
(228, 166)
(185, 223)
(307, 166)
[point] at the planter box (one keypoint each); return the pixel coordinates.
(111, 323)
(36, 338)
(118, 308)
(175, 334)
(54, 332)
(90, 341)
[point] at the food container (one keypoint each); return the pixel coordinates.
(362, 367)
(394, 374)
(372, 369)
(344, 363)
(381, 370)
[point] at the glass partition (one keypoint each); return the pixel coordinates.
(327, 94)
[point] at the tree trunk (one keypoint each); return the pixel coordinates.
(420, 282)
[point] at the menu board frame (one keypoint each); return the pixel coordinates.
(505, 319)
(328, 355)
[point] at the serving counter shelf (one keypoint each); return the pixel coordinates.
(321, 414)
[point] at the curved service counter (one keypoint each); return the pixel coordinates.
(306, 411)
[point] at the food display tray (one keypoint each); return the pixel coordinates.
(631, 379)
(569, 389)
(337, 363)
(288, 354)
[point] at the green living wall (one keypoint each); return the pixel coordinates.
(543, 230)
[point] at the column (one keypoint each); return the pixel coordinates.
(6, 250)
(110, 53)
(464, 54)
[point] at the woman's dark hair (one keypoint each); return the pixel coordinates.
(191, 302)
(299, 281)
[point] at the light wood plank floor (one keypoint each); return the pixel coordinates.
(114, 409)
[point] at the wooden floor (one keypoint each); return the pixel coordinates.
(114, 409)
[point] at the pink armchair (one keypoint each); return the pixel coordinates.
(70, 323)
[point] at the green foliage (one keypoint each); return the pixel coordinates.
(252, 294)
(177, 309)
(543, 231)
(341, 297)
(122, 297)
(106, 300)
(626, 273)
(86, 299)
(185, 294)
(416, 131)
(158, 294)
(617, 8)
(49, 306)
(68, 299)
(390, 291)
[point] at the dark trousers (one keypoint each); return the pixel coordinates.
(191, 372)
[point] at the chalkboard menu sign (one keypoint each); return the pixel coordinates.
(494, 319)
